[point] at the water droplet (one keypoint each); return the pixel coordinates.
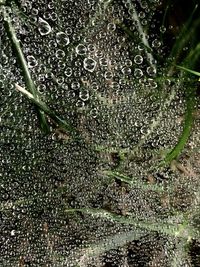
(151, 71)
(69, 31)
(163, 29)
(60, 54)
(80, 104)
(126, 71)
(95, 86)
(43, 27)
(12, 233)
(81, 49)
(108, 75)
(89, 64)
(32, 62)
(94, 113)
(68, 72)
(152, 83)
(128, 63)
(62, 39)
(103, 61)
(138, 59)
(138, 73)
(75, 85)
(111, 27)
(91, 48)
(84, 95)
(156, 43)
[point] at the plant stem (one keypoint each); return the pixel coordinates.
(135, 183)
(42, 106)
(190, 62)
(180, 230)
(191, 71)
(142, 34)
(24, 67)
(174, 153)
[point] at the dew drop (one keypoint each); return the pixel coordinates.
(138, 59)
(80, 104)
(62, 39)
(84, 95)
(126, 71)
(151, 71)
(60, 54)
(68, 72)
(111, 27)
(81, 49)
(12, 233)
(108, 75)
(103, 61)
(89, 64)
(43, 27)
(138, 73)
(32, 62)
(75, 85)
(95, 86)
(156, 43)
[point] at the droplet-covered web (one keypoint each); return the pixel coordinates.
(88, 69)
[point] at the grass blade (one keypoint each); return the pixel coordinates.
(45, 109)
(24, 67)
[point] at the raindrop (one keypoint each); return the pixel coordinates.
(43, 27)
(89, 64)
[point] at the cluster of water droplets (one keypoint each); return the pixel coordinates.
(106, 83)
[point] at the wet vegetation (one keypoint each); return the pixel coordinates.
(99, 139)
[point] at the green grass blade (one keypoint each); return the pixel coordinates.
(181, 230)
(135, 183)
(24, 67)
(189, 70)
(175, 152)
(42, 106)
(190, 61)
